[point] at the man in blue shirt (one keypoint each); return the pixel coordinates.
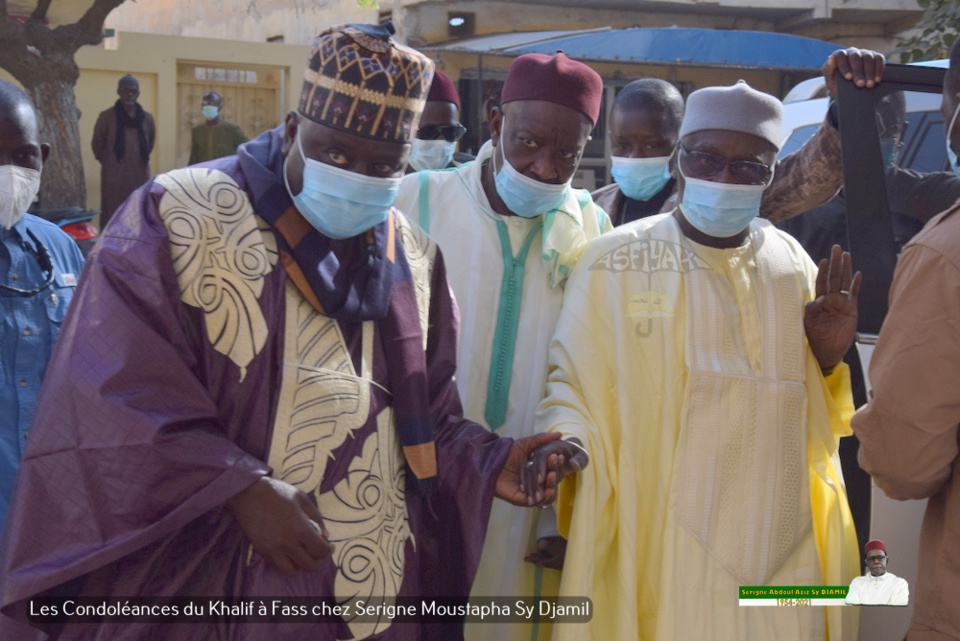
(39, 266)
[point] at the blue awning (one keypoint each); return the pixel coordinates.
(666, 46)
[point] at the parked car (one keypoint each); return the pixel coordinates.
(805, 105)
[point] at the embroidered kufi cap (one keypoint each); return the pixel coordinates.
(442, 90)
(557, 79)
(362, 81)
(874, 545)
(736, 108)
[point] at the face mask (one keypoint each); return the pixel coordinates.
(888, 151)
(431, 154)
(525, 196)
(341, 203)
(210, 112)
(951, 154)
(640, 178)
(18, 188)
(720, 210)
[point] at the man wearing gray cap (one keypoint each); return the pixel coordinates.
(713, 413)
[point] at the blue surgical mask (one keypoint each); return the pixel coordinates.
(431, 154)
(210, 112)
(341, 203)
(951, 154)
(888, 151)
(525, 196)
(640, 178)
(719, 209)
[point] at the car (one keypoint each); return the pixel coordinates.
(805, 106)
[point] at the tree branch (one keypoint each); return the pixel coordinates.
(68, 38)
(91, 24)
(40, 13)
(14, 55)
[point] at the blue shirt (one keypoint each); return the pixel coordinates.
(29, 327)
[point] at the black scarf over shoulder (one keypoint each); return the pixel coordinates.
(136, 122)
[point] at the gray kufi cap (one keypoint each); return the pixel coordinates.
(736, 108)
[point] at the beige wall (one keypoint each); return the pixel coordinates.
(153, 60)
(296, 21)
(871, 23)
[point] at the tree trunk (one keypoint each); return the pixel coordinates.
(42, 60)
(63, 183)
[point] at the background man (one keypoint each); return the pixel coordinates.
(511, 228)
(877, 586)
(908, 431)
(697, 353)
(274, 412)
(216, 137)
(436, 143)
(122, 141)
(644, 126)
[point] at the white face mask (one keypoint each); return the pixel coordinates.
(431, 154)
(18, 188)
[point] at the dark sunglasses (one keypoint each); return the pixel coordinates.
(450, 133)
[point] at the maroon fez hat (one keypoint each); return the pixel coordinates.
(442, 89)
(557, 79)
(874, 545)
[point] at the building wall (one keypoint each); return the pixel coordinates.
(862, 23)
(291, 21)
(153, 59)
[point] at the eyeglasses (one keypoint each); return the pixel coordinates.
(450, 133)
(701, 164)
(871, 559)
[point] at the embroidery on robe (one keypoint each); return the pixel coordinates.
(367, 517)
(318, 409)
(649, 304)
(650, 255)
(322, 402)
(420, 252)
(741, 474)
(221, 254)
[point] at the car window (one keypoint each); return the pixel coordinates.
(797, 138)
(924, 150)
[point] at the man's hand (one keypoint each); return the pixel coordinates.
(830, 320)
(510, 487)
(862, 66)
(283, 525)
(547, 467)
(551, 553)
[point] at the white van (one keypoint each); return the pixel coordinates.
(805, 106)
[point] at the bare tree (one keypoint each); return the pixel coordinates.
(42, 60)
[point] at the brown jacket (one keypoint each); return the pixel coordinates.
(908, 431)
